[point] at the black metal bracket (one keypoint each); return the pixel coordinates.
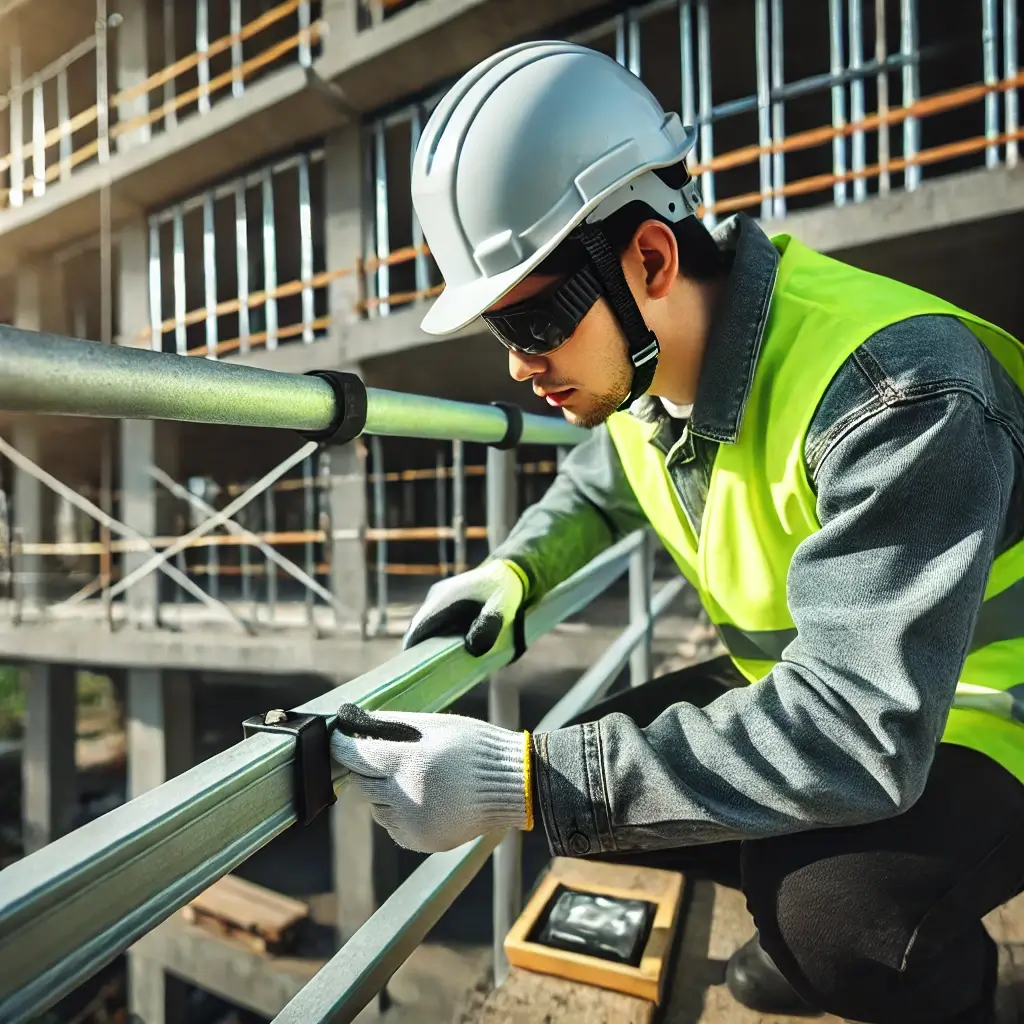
(350, 405)
(514, 430)
(313, 788)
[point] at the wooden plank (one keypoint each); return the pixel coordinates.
(250, 908)
(1006, 925)
(527, 998)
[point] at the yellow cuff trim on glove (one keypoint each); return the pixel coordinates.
(523, 578)
(528, 780)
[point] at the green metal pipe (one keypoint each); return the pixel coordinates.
(48, 373)
(51, 374)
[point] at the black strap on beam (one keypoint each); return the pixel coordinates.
(313, 788)
(514, 429)
(350, 405)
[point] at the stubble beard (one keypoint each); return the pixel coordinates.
(602, 406)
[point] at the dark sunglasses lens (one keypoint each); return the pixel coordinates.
(533, 332)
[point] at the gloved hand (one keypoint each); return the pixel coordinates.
(477, 605)
(435, 781)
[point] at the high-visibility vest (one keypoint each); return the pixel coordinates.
(760, 505)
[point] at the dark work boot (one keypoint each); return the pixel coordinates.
(755, 982)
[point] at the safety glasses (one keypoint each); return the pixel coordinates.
(544, 322)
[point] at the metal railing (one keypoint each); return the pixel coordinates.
(200, 396)
(74, 905)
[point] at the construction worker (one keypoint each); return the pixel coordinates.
(834, 460)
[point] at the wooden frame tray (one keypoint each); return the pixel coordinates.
(662, 888)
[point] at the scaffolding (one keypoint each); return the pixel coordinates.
(55, 129)
(669, 44)
(221, 566)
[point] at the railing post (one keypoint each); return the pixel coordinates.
(441, 505)
(170, 56)
(102, 84)
(310, 482)
(640, 578)
(380, 523)
(459, 506)
(503, 710)
(16, 194)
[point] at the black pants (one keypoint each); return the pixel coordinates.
(878, 923)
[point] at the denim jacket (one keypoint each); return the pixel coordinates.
(916, 457)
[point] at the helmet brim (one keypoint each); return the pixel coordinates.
(458, 306)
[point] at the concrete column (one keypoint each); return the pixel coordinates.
(161, 744)
(144, 443)
(131, 289)
(161, 727)
(343, 227)
(347, 467)
(37, 307)
(132, 68)
(49, 782)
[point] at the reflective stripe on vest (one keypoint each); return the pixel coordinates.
(760, 505)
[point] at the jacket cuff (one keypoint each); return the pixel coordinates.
(571, 791)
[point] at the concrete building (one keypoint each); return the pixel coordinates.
(230, 180)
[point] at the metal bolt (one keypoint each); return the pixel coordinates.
(275, 717)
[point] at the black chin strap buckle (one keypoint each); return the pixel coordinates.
(640, 357)
(641, 341)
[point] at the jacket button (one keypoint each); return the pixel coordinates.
(579, 844)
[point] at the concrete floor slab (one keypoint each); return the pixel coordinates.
(956, 199)
(433, 41)
(288, 648)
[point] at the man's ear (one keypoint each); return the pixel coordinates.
(655, 253)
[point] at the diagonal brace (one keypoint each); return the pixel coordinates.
(115, 526)
(240, 531)
(208, 525)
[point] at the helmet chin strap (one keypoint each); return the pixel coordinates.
(641, 342)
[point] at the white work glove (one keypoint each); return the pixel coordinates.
(478, 605)
(435, 781)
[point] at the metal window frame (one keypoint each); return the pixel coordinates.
(837, 64)
(210, 276)
(1010, 69)
(911, 91)
(203, 46)
(306, 249)
(990, 63)
(778, 107)
(762, 60)
(858, 140)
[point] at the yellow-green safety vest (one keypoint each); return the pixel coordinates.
(760, 505)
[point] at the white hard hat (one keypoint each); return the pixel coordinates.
(526, 148)
(523, 149)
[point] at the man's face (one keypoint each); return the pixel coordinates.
(589, 376)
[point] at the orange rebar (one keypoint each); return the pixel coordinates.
(821, 182)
